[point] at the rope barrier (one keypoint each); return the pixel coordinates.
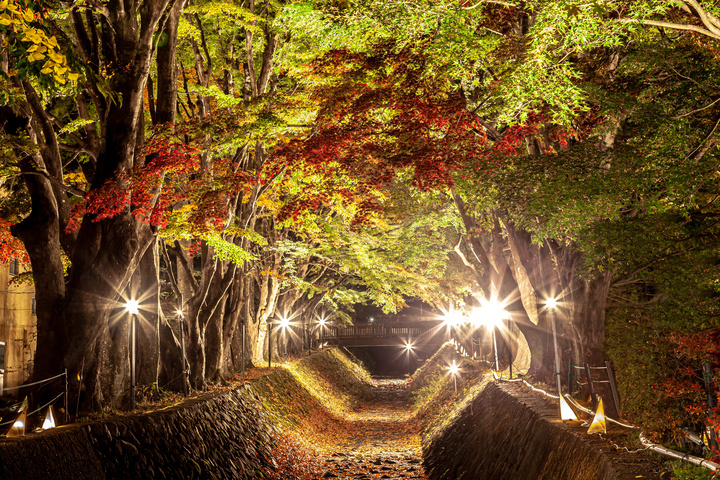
(647, 444)
(36, 410)
(171, 381)
(47, 404)
(35, 383)
(702, 462)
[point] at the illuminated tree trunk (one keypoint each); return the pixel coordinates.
(550, 270)
(79, 326)
(146, 286)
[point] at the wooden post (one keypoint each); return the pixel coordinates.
(571, 377)
(242, 330)
(510, 360)
(269, 335)
(707, 372)
(613, 386)
(591, 386)
(67, 412)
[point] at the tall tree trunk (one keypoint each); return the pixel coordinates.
(167, 73)
(148, 328)
(108, 251)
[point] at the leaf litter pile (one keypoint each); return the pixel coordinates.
(377, 439)
(334, 428)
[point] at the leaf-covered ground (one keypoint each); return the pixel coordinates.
(375, 439)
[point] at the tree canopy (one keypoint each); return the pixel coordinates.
(249, 160)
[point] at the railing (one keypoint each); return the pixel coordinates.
(46, 383)
(375, 331)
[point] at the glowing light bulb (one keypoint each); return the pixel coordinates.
(551, 303)
(132, 307)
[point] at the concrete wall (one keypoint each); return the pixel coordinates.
(506, 433)
(226, 436)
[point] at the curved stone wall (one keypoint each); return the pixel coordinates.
(226, 436)
(506, 433)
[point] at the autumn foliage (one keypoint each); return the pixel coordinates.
(382, 114)
(172, 187)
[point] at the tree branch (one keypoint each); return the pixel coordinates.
(674, 26)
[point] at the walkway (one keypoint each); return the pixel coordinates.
(377, 440)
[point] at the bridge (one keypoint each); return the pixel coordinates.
(392, 335)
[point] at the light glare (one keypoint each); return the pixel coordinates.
(551, 303)
(490, 314)
(454, 319)
(132, 307)
(454, 369)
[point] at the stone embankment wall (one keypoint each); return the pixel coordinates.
(226, 437)
(506, 433)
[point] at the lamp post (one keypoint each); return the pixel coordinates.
(497, 364)
(181, 316)
(408, 351)
(452, 321)
(551, 303)
(269, 327)
(491, 315)
(285, 324)
(132, 308)
(321, 322)
(454, 369)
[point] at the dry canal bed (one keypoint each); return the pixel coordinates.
(378, 439)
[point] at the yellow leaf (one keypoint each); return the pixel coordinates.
(57, 57)
(28, 15)
(53, 41)
(46, 70)
(32, 48)
(60, 70)
(73, 76)
(5, 19)
(3, 4)
(60, 80)
(35, 56)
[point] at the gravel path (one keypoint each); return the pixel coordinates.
(380, 442)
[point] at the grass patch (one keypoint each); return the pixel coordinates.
(313, 394)
(433, 396)
(332, 378)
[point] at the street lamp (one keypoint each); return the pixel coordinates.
(566, 412)
(132, 308)
(285, 324)
(181, 316)
(408, 351)
(491, 315)
(321, 323)
(269, 327)
(452, 320)
(551, 303)
(454, 370)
